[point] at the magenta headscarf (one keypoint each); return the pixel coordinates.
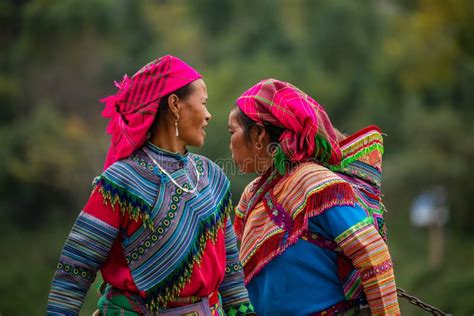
(308, 132)
(133, 109)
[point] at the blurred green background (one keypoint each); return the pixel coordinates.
(406, 65)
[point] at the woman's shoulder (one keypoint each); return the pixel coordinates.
(133, 166)
(204, 159)
(125, 183)
(205, 164)
(248, 192)
(133, 174)
(308, 178)
(251, 187)
(312, 171)
(314, 185)
(245, 197)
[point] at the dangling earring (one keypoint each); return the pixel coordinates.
(258, 146)
(176, 119)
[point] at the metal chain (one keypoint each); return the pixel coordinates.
(417, 302)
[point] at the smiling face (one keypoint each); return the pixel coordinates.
(193, 115)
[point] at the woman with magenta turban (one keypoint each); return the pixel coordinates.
(157, 222)
(311, 230)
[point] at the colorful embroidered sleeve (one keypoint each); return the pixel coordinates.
(233, 291)
(86, 248)
(369, 254)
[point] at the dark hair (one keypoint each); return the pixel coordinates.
(182, 93)
(247, 124)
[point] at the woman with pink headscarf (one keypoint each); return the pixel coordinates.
(311, 230)
(157, 222)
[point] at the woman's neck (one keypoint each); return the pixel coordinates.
(263, 166)
(165, 138)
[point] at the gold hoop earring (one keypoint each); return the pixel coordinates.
(258, 146)
(176, 119)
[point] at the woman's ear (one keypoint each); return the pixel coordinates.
(261, 133)
(173, 104)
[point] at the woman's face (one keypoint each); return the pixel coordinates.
(193, 115)
(245, 153)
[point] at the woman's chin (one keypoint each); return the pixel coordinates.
(198, 143)
(244, 169)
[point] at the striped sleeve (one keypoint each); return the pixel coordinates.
(84, 251)
(233, 291)
(369, 254)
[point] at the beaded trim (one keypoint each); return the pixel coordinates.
(79, 271)
(167, 290)
(162, 227)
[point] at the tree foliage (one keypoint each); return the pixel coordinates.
(406, 66)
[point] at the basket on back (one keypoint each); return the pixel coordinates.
(362, 167)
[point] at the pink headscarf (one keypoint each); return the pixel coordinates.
(133, 109)
(308, 132)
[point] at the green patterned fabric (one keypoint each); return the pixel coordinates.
(118, 303)
(243, 309)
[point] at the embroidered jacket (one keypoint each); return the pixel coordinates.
(272, 230)
(148, 236)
